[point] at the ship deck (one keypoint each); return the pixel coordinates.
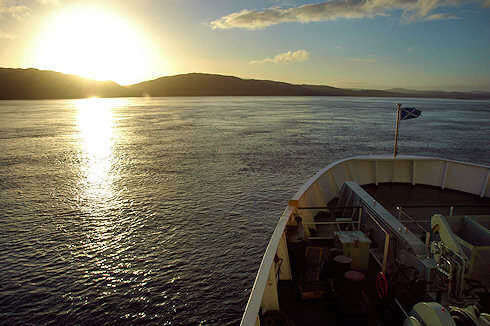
(422, 201)
(419, 202)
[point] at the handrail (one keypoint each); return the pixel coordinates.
(377, 222)
(358, 221)
(325, 223)
(427, 233)
(451, 207)
(386, 246)
(411, 219)
(366, 209)
(329, 207)
(460, 205)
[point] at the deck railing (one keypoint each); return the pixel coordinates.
(449, 207)
(420, 227)
(409, 219)
(386, 245)
(337, 221)
(360, 210)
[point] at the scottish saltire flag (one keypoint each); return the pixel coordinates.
(409, 113)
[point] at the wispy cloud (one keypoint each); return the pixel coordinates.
(49, 2)
(13, 10)
(19, 8)
(286, 57)
(369, 59)
(413, 48)
(441, 17)
(338, 9)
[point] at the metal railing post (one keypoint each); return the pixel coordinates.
(385, 253)
(359, 219)
(427, 239)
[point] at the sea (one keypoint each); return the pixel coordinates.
(157, 211)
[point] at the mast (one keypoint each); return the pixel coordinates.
(398, 112)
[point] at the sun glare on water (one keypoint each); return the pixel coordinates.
(97, 136)
(93, 44)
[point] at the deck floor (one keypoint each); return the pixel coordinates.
(393, 195)
(338, 306)
(435, 199)
(304, 312)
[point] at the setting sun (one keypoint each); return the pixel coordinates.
(94, 44)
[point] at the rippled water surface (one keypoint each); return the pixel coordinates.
(158, 211)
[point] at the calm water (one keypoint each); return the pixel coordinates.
(158, 211)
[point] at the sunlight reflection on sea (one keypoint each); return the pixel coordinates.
(97, 135)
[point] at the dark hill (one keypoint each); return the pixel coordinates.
(37, 84)
(33, 84)
(197, 84)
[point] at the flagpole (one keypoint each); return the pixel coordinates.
(398, 111)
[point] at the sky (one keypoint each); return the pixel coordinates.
(369, 44)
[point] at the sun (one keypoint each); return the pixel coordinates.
(93, 43)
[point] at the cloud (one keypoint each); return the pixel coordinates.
(441, 17)
(364, 60)
(286, 57)
(49, 2)
(16, 11)
(413, 48)
(337, 9)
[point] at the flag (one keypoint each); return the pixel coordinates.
(403, 114)
(409, 113)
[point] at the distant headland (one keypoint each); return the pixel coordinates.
(34, 84)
